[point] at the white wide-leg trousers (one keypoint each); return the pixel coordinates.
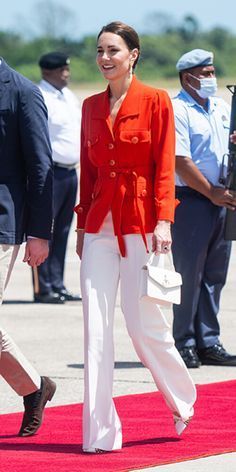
(14, 367)
(102, 268)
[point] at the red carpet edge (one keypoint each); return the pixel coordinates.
(149, 438)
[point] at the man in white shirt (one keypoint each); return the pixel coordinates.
(64, 115)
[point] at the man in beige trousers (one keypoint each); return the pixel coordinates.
(25, 214)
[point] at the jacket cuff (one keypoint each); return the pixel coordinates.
(81, 211)
(164, 212)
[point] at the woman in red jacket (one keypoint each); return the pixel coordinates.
(126, 209)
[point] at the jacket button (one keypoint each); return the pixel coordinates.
(112, 175)
(110, 146)
(80, 210)
(112, 162)
(134, 140)
(89, 143)
(144, 193)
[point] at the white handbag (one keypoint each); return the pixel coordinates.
(159, 281)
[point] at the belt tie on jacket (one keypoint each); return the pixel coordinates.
(117, 204)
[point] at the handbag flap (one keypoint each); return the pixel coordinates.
(165, 278)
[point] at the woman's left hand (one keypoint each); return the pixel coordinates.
(161, 239)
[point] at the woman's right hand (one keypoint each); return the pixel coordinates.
(80, 242)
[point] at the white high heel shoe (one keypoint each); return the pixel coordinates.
(94, 450)
(180, 424)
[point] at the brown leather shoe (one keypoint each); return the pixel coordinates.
(34, 404)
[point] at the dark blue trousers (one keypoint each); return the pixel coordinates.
(49, 275)
(201, 255)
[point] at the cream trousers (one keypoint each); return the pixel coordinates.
(14, 367)
(102, 268)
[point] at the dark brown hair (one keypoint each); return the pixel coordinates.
(127, 33)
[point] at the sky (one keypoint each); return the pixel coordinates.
(90, 15)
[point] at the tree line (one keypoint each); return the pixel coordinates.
(162, 44)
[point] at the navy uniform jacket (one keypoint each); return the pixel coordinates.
(26, 172)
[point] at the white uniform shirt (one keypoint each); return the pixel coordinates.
(202, 135)
(64, 120)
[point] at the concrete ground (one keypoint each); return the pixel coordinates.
(51, 337)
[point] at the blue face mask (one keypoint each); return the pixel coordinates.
(208, 87)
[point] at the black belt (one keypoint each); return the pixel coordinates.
(182, 191)
(65, 166)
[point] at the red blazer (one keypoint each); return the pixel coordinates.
(127, 168)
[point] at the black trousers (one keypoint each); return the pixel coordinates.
(201, 255)
(49, 275)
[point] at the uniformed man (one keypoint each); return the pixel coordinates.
(200, 252)
(64, 116)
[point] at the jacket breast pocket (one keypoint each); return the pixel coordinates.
(135, 147)
(90, 142)
(135, 136)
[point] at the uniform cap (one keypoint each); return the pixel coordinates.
(195, 58)
(54, 60)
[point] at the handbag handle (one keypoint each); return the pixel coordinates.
(162, 260)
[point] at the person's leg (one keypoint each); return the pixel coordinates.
(14, 367)
(99, 282)
(213, 281)
(191, 235)
(65, 191)
(48, 277)
(43, 275)
(151, 334)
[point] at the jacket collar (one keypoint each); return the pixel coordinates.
(129, 107)
(189, 100)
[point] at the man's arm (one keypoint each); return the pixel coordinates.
(37, 155)
(192, 176)
(36, 151)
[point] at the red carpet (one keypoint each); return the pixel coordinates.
(149, 435)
